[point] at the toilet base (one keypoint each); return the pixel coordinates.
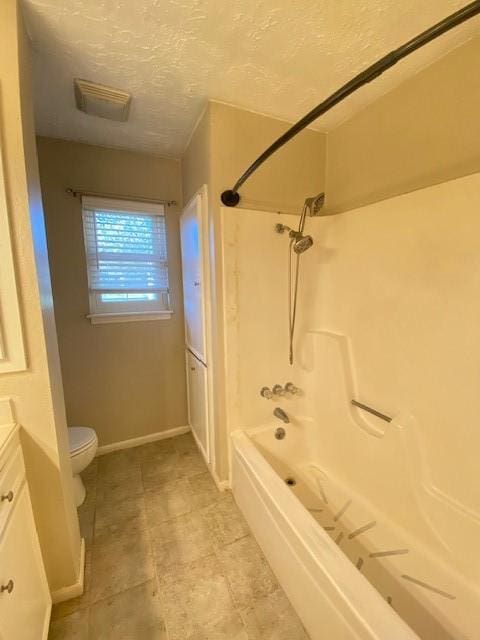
(79, 491)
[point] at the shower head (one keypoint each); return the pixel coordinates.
(302, 243)
(315, 204)
(299, 242)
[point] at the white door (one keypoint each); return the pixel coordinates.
(192, 239)
(198, 402)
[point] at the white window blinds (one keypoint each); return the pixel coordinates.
(126, 252)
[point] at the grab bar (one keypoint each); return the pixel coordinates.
(372, 411)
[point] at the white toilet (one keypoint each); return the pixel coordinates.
(83, 447)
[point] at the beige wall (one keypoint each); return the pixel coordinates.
(37, 392)
(227, 139)
(224, 143)
(123, 379)
(196, 161)
(424, 132)
(294, 172)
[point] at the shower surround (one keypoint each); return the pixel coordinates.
(384, 517)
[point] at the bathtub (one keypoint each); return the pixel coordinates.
(328, 553)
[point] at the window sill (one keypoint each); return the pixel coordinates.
(106, 318)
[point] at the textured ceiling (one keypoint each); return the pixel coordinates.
(278, 57)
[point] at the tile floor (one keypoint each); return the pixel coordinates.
(168, 557)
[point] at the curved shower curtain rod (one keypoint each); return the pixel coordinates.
(231, 197)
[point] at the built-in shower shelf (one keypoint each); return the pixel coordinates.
(427, 594)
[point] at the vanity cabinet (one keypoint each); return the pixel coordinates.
(25, 601)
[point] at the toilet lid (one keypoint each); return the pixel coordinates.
(80, 438)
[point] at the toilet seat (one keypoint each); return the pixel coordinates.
(80, 439)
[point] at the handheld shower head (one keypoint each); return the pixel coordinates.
(302, 243)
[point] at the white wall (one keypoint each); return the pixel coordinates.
(256, 312)
(397, 283)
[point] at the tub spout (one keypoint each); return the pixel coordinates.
(281, 415)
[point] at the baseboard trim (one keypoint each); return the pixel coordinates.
(222, 485)
(135, 442)
(76, 589)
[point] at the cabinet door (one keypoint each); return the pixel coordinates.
(24, 613)
(191, 236)
(197, 402)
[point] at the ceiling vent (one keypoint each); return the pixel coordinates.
(99, 100)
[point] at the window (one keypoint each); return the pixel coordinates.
(126, 253)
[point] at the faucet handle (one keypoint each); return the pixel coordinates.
(265, 392)
(291, 388)
(278, 390)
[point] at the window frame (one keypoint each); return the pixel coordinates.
(102, 312)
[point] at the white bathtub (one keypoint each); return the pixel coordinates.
(333, 575)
